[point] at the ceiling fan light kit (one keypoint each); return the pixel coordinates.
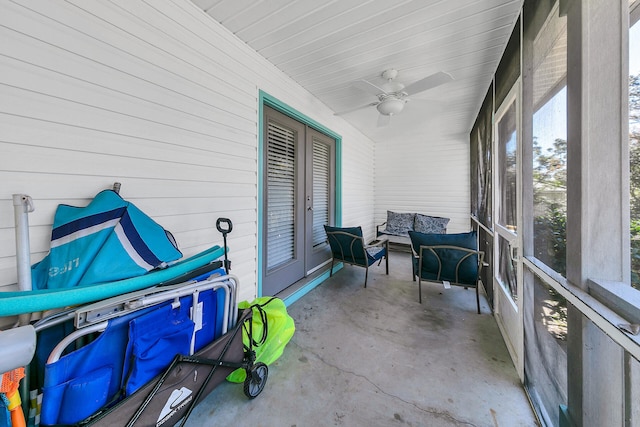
(391, 106)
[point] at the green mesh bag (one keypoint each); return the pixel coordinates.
(271, 330)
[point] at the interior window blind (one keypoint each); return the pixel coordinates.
(281, 169)
(321, 158)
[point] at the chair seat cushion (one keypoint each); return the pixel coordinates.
(375, 253)
(468, 269)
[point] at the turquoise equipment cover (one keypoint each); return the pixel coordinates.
(110, 239)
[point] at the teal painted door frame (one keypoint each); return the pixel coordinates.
(267, 100)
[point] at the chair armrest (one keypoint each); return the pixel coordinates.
(376, 243)
(378, 228)
(383, 243)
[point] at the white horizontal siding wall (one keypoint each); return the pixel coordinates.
(157, 96)
(428, 175)
(358, 192)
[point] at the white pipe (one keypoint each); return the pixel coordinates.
(22, 205)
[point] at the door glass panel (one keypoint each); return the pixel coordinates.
(507, 169)
(508, 144)
(320, 197)
(281, 173)
(506, 273)
(321, 191)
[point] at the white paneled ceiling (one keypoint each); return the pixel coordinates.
(327, 45)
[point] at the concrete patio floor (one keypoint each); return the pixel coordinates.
(376, 357)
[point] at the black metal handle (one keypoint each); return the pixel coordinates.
(225, 231)
(221, 221)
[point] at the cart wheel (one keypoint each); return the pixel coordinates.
(256, 379)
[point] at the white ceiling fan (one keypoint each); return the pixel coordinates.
(393, 95)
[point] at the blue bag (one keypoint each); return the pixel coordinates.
(85, 380)
(154, 340)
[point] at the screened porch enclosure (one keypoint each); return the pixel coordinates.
(553, 167)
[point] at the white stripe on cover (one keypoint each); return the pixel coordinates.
(83, 233)
(133, 254)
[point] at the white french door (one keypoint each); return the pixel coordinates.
(507, 225)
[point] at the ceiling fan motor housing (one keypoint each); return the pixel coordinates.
(390, 74)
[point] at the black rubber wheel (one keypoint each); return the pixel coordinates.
(256, 379)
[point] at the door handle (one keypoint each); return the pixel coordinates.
(514, 252)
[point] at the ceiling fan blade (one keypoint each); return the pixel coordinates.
(383, 120)
(372, 104)
(368, 87)
(428, 82)
(430, 105)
